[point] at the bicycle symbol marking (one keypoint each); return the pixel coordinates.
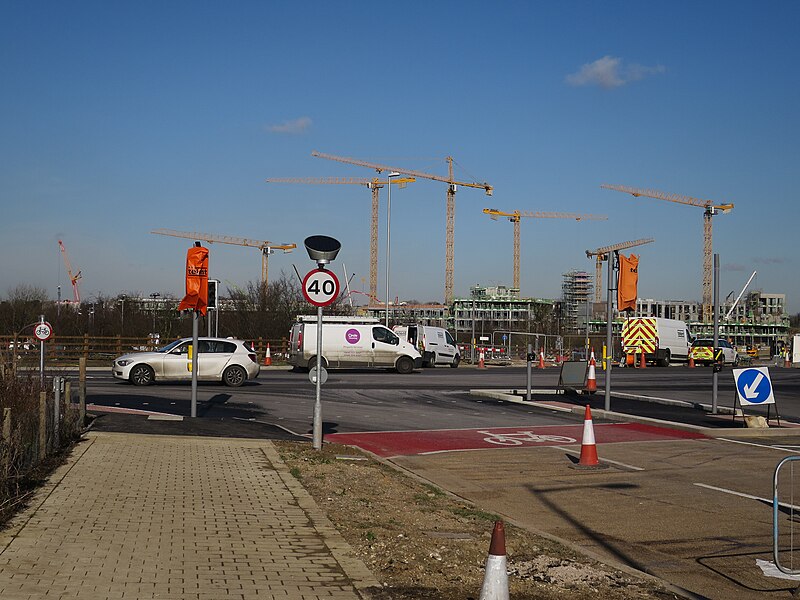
(520, 437)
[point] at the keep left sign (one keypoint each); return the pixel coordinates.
(753, 386)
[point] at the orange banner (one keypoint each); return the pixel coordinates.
(196, 280)
(628, 282)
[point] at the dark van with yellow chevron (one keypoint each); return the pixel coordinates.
(662, 341)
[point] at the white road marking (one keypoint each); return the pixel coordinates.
(605, 460)
(781, 448)
(743, 495)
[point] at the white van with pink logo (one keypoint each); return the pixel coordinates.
(350, 342)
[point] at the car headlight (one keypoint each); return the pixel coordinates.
(124, 363)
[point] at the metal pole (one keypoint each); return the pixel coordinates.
(388, 247)
(41, 357)
(528, 360)
(472, 345)
(195, 336)
(317, 432)
(609, 325)
(715, 375)
(209, 318)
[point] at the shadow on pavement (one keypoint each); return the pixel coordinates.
(199, 426)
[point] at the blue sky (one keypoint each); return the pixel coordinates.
(119, 118)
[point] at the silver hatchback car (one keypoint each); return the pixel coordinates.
(219, 359)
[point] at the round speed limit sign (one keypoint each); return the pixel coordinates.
(43, 331)
(320, 287)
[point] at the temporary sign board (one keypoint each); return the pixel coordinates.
(753, 386)
(573, 374)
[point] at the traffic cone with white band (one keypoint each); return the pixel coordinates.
(481, 357)
(588, 459)
(267, 358)
(541, 359)
(642, 361)
(495, 579)
(591, 379)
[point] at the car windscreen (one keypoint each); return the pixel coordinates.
(169, 347)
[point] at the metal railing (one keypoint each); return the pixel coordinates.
(791, 509)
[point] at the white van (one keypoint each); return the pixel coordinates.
(350, 342)
(435, 344)
(662, 340)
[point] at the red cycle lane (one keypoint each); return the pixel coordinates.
(406, 443)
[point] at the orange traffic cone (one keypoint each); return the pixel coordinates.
(591, 379)
(481, 357)
(541, 359)
(267, 358)
(588, 458)
(691, 360)
(787, 362)
(495, 579)
(642, 364)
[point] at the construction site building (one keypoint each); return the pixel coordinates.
(576, 291)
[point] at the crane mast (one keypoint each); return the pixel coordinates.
(516, 216)
(709, 210)
(374, 184)
(450, 211)
(265, 247)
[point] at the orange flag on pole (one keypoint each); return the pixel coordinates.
(628, 282)
(196, 280)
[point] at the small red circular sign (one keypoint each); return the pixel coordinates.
(43, 331)
(320, 287)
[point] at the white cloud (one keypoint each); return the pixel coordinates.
(294, 127)
(610, 72)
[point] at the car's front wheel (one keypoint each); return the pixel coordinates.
(234, 376)
(142, 375)
(456, 360)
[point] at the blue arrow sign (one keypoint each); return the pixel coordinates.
(754, 386)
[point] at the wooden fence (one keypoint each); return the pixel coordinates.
(69, 349)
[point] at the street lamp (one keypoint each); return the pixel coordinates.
(153, 296)
(388, 238)
(122, 318)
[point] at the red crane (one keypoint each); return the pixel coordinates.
(73, 277)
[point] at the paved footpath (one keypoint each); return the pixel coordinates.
(142, 516)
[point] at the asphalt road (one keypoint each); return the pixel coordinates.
(425, 399)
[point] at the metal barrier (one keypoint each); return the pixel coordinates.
(776, 509)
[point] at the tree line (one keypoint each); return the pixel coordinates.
(257, 310)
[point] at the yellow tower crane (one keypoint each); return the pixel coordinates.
(73, 277)
(451, 205)
(601, 254)
(709, 210)
(517, 215)
(374, 184)
(266, 248)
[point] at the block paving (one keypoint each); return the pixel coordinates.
(144, 517)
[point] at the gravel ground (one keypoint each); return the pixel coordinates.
(421, 542)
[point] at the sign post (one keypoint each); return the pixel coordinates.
(43, 332)
(320, 288)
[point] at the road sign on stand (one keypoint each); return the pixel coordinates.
(320, 287)
(753, 386)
